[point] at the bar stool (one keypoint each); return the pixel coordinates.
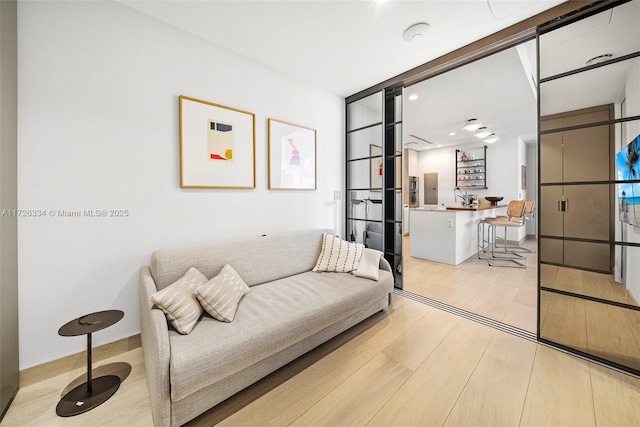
(515, 218)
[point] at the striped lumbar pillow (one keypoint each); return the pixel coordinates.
(220, 296)
(338, 256)
(178, 301)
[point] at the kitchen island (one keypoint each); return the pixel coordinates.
(447, 235)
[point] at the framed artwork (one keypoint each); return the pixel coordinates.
(292, 156)
(524, 177)
(217, 146)
(375, 167)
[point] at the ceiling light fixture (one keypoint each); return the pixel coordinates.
(491, 138)
(483, 132)
(413, 97)
(416, 32)
(451, 133)
(599, 59)
(472, 124)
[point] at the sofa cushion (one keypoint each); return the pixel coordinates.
(179, 303)
(220, 296)
(338, 256)
(271, 318)
(257, 260)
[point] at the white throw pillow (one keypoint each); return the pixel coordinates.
(338, 256)
(369, 264)
(221, 295)
(179, 303)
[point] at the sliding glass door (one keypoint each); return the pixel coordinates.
(589, 185)
(374, 175)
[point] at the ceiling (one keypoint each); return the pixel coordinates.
(495, 90)
(498, 90)
(341, 46)
(348, 46)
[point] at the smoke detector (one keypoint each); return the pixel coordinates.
(416, 32)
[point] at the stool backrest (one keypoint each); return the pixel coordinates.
(516, 209)
(529, 207)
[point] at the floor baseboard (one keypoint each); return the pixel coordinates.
(78, 360)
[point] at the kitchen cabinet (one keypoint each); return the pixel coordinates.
(574, 208)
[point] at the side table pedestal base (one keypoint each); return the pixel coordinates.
(79, 399)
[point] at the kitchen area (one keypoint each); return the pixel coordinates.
(466, 155)
(460, 150)
(442, 222)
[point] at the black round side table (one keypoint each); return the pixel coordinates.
(93, 392)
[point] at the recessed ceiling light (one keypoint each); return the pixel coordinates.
(416, 32)
(483, 132)
(413, 97)
(439, 145)
(451, 133)
(472, 124)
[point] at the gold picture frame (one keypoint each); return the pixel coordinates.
(217, 145)
(292, 156)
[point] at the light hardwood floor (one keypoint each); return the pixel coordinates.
(412, 365)
(508, 295)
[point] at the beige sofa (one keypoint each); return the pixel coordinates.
(289, 311)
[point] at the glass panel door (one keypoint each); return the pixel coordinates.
(589, 182)
(374, 175)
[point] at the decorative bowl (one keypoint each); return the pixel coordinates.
(493, 199)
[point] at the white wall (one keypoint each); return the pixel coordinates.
(502, 170)
(98, 129)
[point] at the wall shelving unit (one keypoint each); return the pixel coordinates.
(471, 170)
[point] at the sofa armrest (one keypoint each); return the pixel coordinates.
(384, 265)
(156, 351)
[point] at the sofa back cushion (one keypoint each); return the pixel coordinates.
(256, 260)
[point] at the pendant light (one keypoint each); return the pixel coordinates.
(491, 138)
(483, 132)
(472, 124)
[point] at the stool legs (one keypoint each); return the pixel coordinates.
(495, 255)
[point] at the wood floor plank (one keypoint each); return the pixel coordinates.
(495, 301)
(318, 380)
(616, 397)
(521, 316)
(412, 347)
(474, 286)
(496, 391)
(428, 396)
(559, 392)
(356, 400)
(35, 404)
(564, 320)
(610, 335)
(471, 376)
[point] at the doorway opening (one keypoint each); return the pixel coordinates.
(456, 170)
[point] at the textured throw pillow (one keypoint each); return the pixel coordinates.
(338, 256)
(179, 303)
(220, 296)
